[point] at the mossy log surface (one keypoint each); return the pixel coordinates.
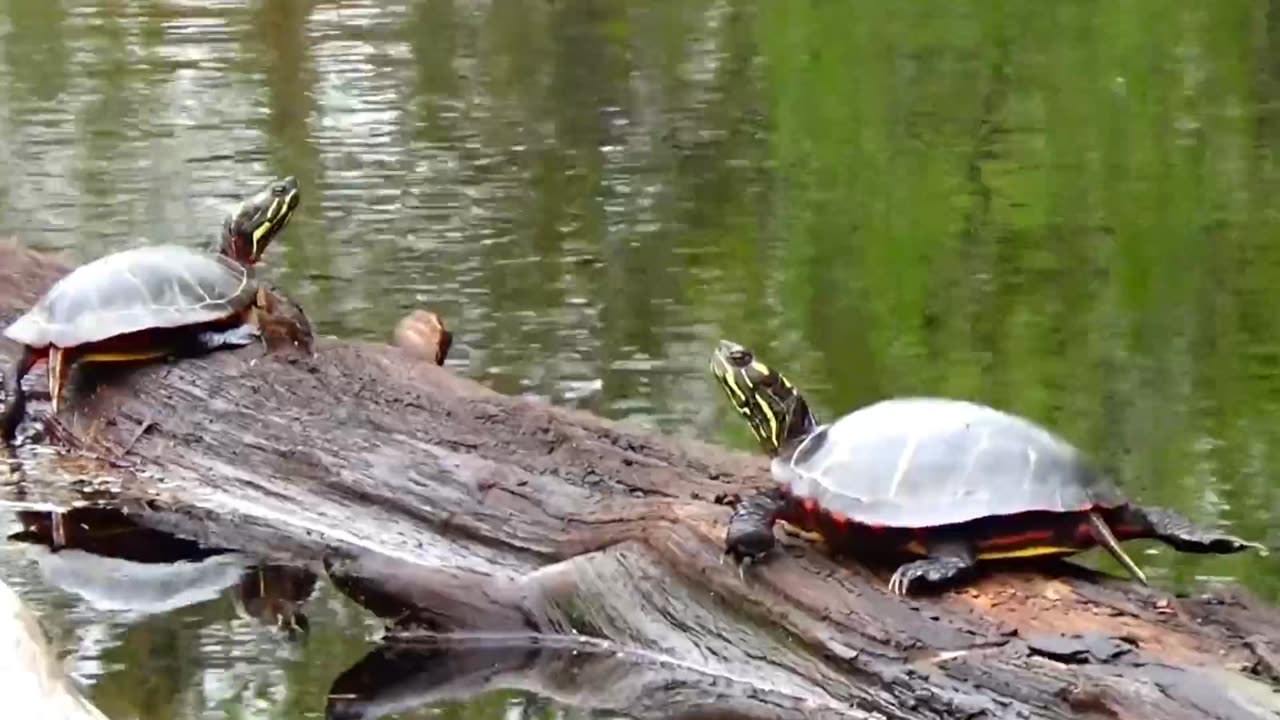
(447, 507)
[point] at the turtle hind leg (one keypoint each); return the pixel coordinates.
(750, 534)
(946, 564)
(238, 336)
(1180, 533)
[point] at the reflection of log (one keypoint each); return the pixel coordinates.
(405, 675)
(498, 513)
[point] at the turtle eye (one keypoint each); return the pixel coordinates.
(278, 189)
(741, 358)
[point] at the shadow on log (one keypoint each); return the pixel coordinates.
(444, 506)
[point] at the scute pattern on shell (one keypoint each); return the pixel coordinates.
(148, 287)
(924, 462)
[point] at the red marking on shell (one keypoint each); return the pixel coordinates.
(810, 505)
(839, 518)
(1084, 532)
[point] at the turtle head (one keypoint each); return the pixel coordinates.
(258, 219)
(778, 415)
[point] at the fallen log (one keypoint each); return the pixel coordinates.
(446, 507)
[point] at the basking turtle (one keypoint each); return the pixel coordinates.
(152, 301)
(947, 481)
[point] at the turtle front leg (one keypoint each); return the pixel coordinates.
(750, 534)
(1180, 533)
(947, 563)
(281, 322)
(238, 336)
(14, 401)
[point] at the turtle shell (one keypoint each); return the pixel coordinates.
(925, 462)
(160, 286)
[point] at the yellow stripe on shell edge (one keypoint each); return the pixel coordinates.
(1033, 551)
(123, 356)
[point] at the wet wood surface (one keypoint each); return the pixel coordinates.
(444, 506)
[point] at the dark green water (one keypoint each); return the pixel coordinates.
(1064, 209)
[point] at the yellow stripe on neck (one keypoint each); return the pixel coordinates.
(773, 421)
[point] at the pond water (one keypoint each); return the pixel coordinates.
(1065, 210)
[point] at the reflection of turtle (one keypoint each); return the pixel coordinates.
(274, 595)
(152, 301)
(949, 481)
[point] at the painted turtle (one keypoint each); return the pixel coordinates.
(151, 301)
(948, 481)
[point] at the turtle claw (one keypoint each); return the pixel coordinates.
(899, 582)
(903, 577)
(727, 499)
(741, 559)
(750, 548)
(743, 563)
(932, 570)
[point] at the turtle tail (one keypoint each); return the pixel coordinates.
(1104, 537)
(14, 403)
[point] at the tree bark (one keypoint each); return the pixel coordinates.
(446, 507)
